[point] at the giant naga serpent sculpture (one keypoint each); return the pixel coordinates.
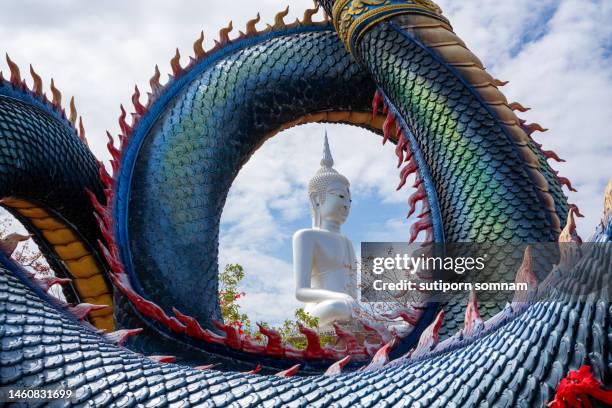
(136, 243)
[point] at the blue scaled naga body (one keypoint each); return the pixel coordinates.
(136, 243)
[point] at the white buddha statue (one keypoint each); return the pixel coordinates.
(324, 262)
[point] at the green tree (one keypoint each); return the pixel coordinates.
(229, 294)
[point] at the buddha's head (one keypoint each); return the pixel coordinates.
(329, 193)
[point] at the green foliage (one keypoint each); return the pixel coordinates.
(229, 295)
(229, 279)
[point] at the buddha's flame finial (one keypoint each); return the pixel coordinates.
(326, 173)
(327, 160)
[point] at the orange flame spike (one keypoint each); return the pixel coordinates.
(308, 13)
(224, 33)
(198, 46)
(250, 26)
(175, 63)
(498, 82)
(549, 154)
(515, 106)
(37, 89)
(73, 112)
(57, 95)
(82, 131)
(15, 74)
(279, 21)
(564, 181)
(533, 127)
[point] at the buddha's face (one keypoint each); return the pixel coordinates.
(337, 203)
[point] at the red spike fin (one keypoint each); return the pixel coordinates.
(421, 225)
(352, 345)
(387, 126)
(290, 372)
(381, 358)
(525, 275)
(383, 334)
(313, 348)
(120, 337)
(425, 210)
(115, 154)
(46, 282)
(429, 338)
(192, 327)
(275, 346)
(408, 314)
(576, 210)
(9, 243)
(125, 128)
(154, 82)
(408, 169)
(401, 146)
(205, 367)
(163, 359)
(337, 367)
(140, 109)
(81, 310)
(255, 370)
(234, 339)
(472, 321)
(417, 196)
(376, 101)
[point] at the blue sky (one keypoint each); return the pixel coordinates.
(556, 55)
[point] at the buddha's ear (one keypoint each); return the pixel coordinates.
(315, 209)
(315, 200)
